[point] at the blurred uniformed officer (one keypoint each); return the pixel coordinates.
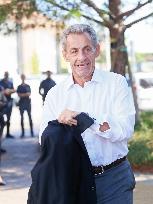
(8, 90)
(24, 92)
(46, 85)
(3, 106)
(3, 109)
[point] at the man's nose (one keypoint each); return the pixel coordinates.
(81, 54)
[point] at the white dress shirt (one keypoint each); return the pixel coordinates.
(106, 98)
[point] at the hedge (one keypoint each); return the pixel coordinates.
(141, 144)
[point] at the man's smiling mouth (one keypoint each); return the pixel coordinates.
(82, 65)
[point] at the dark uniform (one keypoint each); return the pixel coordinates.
(25, 105)
(45, 86)
(6, 84)
(3, 108)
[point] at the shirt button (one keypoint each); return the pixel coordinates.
(92, 188)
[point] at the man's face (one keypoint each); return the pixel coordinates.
(48, 73)
(23, 77)
(81, 55)
(6, 75)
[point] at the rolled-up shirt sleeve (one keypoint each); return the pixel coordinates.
(122, 119)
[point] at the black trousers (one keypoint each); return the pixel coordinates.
(2, 124)
(28, 110)
(8, 113)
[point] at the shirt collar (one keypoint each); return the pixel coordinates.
(95, 78)
(69, 81)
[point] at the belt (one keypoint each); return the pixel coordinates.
(97, 170)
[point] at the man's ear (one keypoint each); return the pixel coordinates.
(97, 52)
(65, 55)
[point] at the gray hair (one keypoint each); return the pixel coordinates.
(79, 28)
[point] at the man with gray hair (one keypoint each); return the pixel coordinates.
(104, 97)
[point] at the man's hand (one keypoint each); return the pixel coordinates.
(8, 92)
(67, 117)
(1, 104)
(104, 127)
(22, 95)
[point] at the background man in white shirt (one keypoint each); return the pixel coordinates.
(105, 97)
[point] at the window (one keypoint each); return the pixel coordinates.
(146, 83)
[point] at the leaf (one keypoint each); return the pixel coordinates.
(75, 13)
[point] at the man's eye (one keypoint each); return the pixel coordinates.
(73, 51)
(88, 49)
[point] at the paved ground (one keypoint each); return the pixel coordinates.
(143, 193)
(15, 169)
(19, 160)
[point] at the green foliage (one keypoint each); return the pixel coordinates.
(3, 13)
(64, 71)
(142, 57)
(141, 146)
(17, 9)
(35, 64)
(102, 58)
(145, 123)
(73, 13)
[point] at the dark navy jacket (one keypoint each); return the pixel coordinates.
(7, 84)
(46, 85)
(24, 102)
(63, 173)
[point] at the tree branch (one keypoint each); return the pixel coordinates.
(57, 5)
(130, 12)
(93, 5)
(83, 15)
(100, 12)
(138, 20)
(92, 19)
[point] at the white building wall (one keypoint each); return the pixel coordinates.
(8, 54)
(46, 47)
(40, 42)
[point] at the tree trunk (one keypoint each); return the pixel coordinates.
(119, 55)
(116, 29)
(118, 51)
(137, 115)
